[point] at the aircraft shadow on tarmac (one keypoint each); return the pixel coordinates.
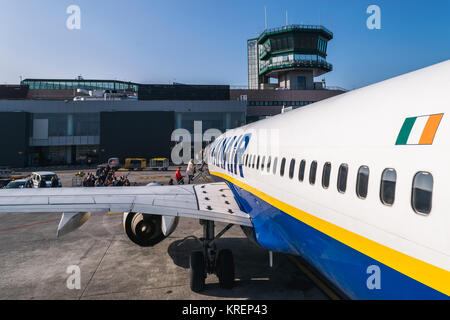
(255, 279)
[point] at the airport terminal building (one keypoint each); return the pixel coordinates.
(43, 125)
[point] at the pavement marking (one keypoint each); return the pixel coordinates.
(28, 225)
(153, 177)
(318, 282)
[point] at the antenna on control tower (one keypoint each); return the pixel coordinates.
(265, 15)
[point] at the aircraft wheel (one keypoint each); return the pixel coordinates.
(197, 271)
(225, 269)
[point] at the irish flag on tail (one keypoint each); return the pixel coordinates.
(419, 130)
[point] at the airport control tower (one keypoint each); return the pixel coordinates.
(289, 57)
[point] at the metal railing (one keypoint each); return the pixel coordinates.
(296, 63)
(296, 26)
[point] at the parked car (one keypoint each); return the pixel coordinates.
(4, 182)
(18, 184)
(37, 177)
(114, 163)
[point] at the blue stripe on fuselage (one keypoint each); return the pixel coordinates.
(347, 268)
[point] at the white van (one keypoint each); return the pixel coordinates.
(36, 178)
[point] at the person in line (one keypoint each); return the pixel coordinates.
(42, 183)
(179, 177)
(190, 171)
(54, 182)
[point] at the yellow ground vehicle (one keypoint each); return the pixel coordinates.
(159, 164)
(135, 164)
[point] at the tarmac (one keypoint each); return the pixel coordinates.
(35, 264)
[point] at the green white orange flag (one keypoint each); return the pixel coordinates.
(419, 130)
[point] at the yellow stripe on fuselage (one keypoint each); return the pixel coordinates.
(428, 274)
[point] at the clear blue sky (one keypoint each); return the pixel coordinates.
(204, 41)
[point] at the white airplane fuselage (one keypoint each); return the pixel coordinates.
(367, 247)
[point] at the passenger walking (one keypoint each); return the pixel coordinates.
(190, 171)
(179, 177)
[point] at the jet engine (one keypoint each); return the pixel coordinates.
(147, 230)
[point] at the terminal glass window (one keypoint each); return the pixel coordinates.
(301, 83)
(252, 49)
(422, 192)
(387, 188)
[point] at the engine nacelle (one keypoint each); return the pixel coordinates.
(147, 230)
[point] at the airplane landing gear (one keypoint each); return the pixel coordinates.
(208, 261)
(198, 271)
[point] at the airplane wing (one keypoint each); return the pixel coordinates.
(213, 201)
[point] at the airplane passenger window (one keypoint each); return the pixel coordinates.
(262, 163)
(387, 188)
(246, 160)
(283, 164)
(275, 162)
(313, 172)
(291, 169)
(362, 182)
(301, 170)
(257, 163)
(268, 164)
(422, 192)
(342, 178)
(326, 175)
